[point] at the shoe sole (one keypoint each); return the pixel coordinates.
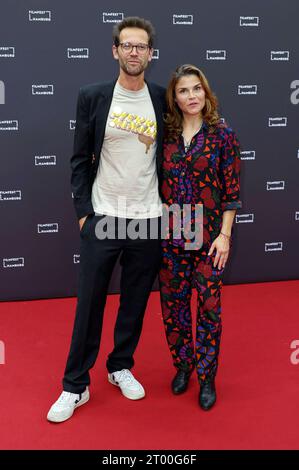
(130, 397)
(204, 408)
(61, 420)
(180, 392)
(207, 409)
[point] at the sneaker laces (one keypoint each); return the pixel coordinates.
(126, 376)
(65, 396)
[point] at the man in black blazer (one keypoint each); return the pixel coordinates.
(116, 166)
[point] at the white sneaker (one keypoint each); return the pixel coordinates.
(66, 404)
(129, 386)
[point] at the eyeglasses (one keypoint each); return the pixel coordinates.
(127, 47)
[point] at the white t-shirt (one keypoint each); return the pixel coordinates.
(126, 184)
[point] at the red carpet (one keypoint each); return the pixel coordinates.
(258, 386)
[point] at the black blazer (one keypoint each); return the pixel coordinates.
(92, 112)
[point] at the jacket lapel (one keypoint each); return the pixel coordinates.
(102, 110)
(158, 107)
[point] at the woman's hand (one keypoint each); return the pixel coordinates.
(221, 245)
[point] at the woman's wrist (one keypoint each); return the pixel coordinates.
(228, 237)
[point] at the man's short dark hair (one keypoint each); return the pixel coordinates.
(134, 22)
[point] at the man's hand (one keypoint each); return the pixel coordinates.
(81, 222)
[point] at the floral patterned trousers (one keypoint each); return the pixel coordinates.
(180, 271)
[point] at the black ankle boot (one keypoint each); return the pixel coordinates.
(207, 394)
(180, 382)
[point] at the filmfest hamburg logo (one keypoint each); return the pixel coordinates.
(156, 54)
(280, 55)
(13, 262)
(112, 17)
(6, 51)
(11, 125)
(248, 155)
(77, 52)
(182, 19)
(39, 15)
(47, 228)
(244, 218)
(275, 185)
(249, 21)
(277, 122)
(43, 89)
(216, 55)
(247, 89)
(13, 195)
(44, 160)
(273, 246)
(76, 259)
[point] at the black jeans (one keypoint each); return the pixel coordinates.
(140, 261)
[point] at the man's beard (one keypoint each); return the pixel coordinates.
(133, 71)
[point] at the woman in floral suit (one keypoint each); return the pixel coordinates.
(201, 167)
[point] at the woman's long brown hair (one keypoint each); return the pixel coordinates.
(174, 116)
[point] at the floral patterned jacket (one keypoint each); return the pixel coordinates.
(206, 173)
